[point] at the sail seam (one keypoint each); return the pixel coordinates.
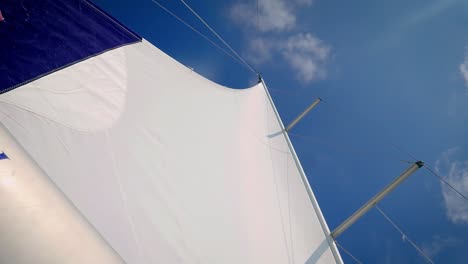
(122, 196)
(47, 118)
(289, 208)
(66, 66)
(276, 187)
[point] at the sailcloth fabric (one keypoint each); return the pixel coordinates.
(167, 166)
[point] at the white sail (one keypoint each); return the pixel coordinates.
(168, 166)
(139, 158)
(37, 222)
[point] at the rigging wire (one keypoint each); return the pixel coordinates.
(344, 149)
(298, 94)
(104, 14)
(241, 60)
(444, 181)
(348, 253)
(401, 150)
(432, 171)
(198, 32)
(405, 237)
(220, 38)
(385, 138)
(407, 153)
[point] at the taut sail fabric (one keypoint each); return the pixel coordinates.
(38, 224)
(167, 166)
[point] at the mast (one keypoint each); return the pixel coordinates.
(310, 193)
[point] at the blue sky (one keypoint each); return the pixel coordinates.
(389, 71)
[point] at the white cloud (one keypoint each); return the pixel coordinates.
(304, 53)
(307, 69)
(456, 173)
(260, 50)
(277, 38)
(304, 2)
(307, 55)
(307, 44)
(273, 15)
(464, 70)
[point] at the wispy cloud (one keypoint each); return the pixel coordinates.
(456, 173)
(278, 37)
(403, 25)
(438, 244)
(464, 69)
(273, 15)
(431, 9)
(260, 50)
(307, 55)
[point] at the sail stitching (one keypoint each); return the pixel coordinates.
(65, 66)
(122, 195)
(289, 209)
(276, 186)
(46, 118)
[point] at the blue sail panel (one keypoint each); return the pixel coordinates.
(38, 37)
(3, 156)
